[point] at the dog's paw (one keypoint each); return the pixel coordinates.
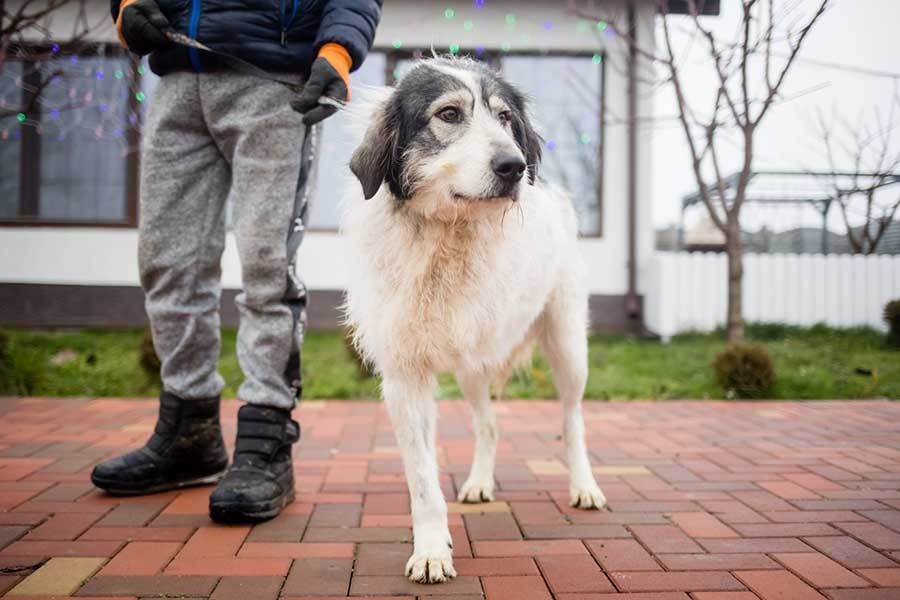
(476, 491)
(588, 497)
(431, 565)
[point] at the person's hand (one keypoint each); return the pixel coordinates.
(328, 86)
(142, 26)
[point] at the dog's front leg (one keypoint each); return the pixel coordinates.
(413, 410)
(479, 486)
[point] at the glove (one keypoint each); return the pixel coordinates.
(328, 78)
(142, 26)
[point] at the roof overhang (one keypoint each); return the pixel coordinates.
(704, 7)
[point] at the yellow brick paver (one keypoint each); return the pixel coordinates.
(547, 467)
(461, 508)
(58, 577)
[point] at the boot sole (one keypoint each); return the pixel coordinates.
(110, 486)
(243, 513)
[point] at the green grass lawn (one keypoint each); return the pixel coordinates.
(810, 363)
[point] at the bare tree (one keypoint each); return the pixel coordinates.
(25, 28)
(750, 72)
(875, 162)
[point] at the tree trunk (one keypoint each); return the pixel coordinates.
(734, 326)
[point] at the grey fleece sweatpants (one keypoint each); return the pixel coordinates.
(210, 137)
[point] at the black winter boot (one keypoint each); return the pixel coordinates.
(186, 449)
(260, 481)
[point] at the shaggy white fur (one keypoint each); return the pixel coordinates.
(443, 283)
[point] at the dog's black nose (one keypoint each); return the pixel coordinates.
(508, 167)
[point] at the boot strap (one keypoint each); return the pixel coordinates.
(265, 437)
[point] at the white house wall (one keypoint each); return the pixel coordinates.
(102, 256)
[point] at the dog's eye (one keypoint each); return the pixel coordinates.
(505, 116)
(450, 114)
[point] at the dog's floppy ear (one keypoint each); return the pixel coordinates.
(529, 142)
(372, 159)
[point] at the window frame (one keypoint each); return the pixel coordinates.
(30, 151)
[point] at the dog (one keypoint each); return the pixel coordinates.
(461, 260)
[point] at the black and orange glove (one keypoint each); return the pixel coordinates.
(142, 26)
(329, 79)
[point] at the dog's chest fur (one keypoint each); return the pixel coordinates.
(429, 296)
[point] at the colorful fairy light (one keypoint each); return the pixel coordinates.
(454, 48)
(21, 117)
(596, 59)
(449, 13)
(397, 44)
(140, 96)
(585, 138)
(468, 25)
(510, 20)
(505, 46)
(478, 3)
(601, 25)
(551, 145)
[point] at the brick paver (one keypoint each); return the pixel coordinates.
(707, 501)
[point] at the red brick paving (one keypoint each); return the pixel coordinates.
(708, 501)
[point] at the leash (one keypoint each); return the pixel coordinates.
(242, 66)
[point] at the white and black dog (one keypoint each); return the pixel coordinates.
(461, 260)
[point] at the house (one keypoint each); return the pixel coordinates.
(68, 168)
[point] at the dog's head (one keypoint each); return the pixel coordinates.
(452, 131)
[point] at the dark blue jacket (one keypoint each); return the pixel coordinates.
(277, 35)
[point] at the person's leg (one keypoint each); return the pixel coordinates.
(184, 185)
(271, 156)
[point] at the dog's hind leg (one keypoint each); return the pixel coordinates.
(479, 487)
(413, 411)
(564, 342)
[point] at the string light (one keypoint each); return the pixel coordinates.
(397, 44)
(468, 25)
(21, 117)
(596, 59)
(448, 13)
(601, 25)
(454, 48)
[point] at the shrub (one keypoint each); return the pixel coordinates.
(744, 370)
(892, 316)
(147, 357)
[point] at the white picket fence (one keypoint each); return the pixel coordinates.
(687, 291)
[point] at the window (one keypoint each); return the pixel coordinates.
(568, 116)
(67, 136)
(337, 144)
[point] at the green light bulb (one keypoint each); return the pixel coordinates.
(21, 117)
(448, 13)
